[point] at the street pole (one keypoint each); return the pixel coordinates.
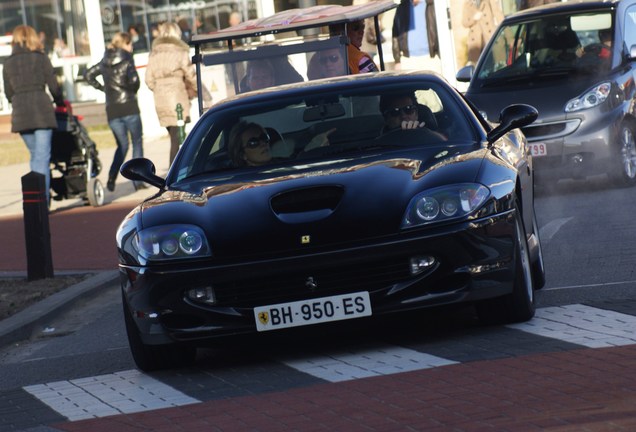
(180, 123)
(36, 227)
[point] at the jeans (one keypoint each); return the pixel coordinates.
(38, 142)
(121, 127)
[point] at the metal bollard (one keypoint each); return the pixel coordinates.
(180, 123)
(36, 227)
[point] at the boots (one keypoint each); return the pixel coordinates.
(110, 185)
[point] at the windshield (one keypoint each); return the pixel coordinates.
(550, 46)
(322, 126)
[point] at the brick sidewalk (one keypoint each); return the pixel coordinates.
(82, 238)
(580, 390)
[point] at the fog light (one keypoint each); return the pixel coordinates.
(202, 295)
(421, 264)
(577, 159)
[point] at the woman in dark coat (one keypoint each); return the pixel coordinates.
(26, 74)
(120, 83)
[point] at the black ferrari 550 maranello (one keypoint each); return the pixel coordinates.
(335, 199)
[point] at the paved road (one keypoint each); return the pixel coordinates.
(570, 369)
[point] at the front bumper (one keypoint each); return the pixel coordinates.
(473, 261)
(578, 146)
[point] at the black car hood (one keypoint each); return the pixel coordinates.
(347, 201)
(548, 96)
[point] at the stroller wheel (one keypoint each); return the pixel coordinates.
(95, 192)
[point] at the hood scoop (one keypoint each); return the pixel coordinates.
(306, 204)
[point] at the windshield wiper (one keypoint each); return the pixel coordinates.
(528, 76)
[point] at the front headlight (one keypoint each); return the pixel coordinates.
(445, 203)
(593, 97)
(169, 242)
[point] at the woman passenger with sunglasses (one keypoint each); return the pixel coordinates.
(250, 144)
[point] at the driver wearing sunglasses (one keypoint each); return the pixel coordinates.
(401, 111)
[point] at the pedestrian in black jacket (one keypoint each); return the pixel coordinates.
(120, 83)
(26, 74)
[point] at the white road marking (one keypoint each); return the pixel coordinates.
(597, 285)
(364, 362)
(551, 228)
(582, 325)
(132, 391)
(119, 393)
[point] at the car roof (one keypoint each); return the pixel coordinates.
(571, 6)
(297, 19)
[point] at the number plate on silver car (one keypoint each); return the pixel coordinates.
(313, 311)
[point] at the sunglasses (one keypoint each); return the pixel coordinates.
(254, 142)
(332, 58)
(406, 109)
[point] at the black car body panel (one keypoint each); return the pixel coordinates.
(331, 221)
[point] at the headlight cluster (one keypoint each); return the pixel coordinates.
(444, 203)
(593, 97)
(171, 242)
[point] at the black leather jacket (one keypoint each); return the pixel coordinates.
(120, 82)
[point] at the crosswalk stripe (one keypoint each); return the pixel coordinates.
(582, 325)
(132, 391)
(364, 362)
(119, 393)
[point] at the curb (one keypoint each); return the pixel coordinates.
(21, 325)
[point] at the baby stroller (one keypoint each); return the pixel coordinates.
(74, 162)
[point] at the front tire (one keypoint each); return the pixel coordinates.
(518, 306)
(150, 358)
(624, 173)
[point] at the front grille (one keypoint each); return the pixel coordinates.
(543, 130)
(292, 286)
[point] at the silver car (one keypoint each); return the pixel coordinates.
(574, 62)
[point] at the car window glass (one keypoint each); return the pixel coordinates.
(630, 28)
(549, 48)
(258, 64)
(352, 123)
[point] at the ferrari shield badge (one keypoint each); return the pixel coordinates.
(263, 317)
(306, 239)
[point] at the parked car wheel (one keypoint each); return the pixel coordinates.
(95, 192)
(155, 357)
(518, 306)
(625, 172)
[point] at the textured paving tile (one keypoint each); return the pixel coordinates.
(364, 362)
(582, 325)
(119, 393)
(555, 331)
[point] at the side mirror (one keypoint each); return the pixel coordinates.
(512, 117)
(142, 169)
(632, 52)
(465, 74)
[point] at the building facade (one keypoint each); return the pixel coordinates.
(75, 32)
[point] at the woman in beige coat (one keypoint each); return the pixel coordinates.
(172, 78)
(481, 17)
